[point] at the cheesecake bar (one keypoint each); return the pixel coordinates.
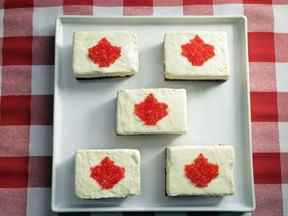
(200, 170)
(105, 54)
(107, 173)
(151, 111)
(196, 56)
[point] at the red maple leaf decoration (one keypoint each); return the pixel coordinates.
(201, 172)
(197, 51)
(104, 53)
(107, 174)
(150, 111)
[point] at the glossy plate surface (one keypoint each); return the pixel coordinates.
(85, 112)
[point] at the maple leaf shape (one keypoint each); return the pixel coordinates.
(107, 174)
(150, 111)
(201, 172)
(104, 53)
(197, 51)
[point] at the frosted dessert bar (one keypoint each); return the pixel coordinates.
(107, 173)
(196, 56)
(200, 170)
(151, 111)
(105, 54)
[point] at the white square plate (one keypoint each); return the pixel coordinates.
(85, 114)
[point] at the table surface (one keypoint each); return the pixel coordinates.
(26, 75)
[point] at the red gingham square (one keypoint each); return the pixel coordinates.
(268, 200)
(108, 3)
(197, 2)
(261, 46)
(262, 76)
(259, 17)
(13, 172)
(13, 201)
(1, 56)
(78, 2)
(281, 47)
(283, 106)
(41, 110)
(17, 51)
(40, 171)
(267, 168)
(43, 50)
(265, 137)
(264, 106)
(47, 3)
(202, 10)
(15, 110)
(132, 7)
(16, 80)
(14, 140)
(18, 3)
(284, 165)
(78, 10)
(133, 3)
(18, 22)
(167, 3)
(257, 1)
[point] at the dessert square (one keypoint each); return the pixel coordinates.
(105, 54)
(200, 170)
(151, 111)
(196, 56)
(107, 173)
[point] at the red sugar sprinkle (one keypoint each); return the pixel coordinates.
(107, 174)
(150, 111)
(201, 172)
(197, 51)
(104, 53)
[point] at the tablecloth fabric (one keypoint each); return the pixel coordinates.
(26, 75)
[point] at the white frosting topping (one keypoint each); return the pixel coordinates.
(178, 66)
(87, 188)
(126, 64)
(174, 123)
(179, 156)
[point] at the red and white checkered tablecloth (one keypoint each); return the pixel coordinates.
(26, 77)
